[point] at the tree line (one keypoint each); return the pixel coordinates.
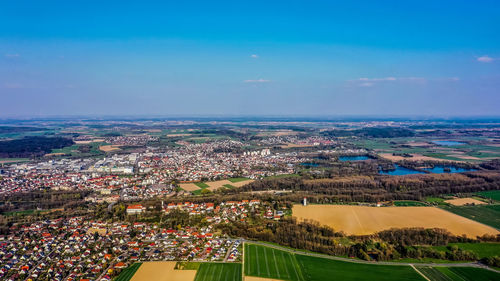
(382, 246)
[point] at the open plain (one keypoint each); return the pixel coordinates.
(361, 220)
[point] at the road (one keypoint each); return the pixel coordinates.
(228, 251)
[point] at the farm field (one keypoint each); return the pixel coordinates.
(487, 214)
(161, 271)
(13, 160)
(218, 272)
(458, 274)
(493, 194)
(252, 278)
(318, 269)
(214, 185)
(267, 262)
(129, 272)
(189, 186)
(108, 148)
(363, 220)
(407, 203)
(235, 180)
(481, 249)
(436, 200)
(415, 157)
(464, 201)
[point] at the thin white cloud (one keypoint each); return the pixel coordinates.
(377, 79)
(485, 59)
(369, 82)
(254, 56)
(366, 84)
(12, 55)
(257, 81)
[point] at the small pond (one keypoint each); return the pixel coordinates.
(354, 158)
(448, 143)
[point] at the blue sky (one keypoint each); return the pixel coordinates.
(439, 58)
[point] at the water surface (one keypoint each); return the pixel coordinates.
(448, 143)
(441, 169)
(354, 158)
(400, 171)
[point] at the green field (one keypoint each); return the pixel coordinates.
(128, 272)
(73, 149)
(19, 213)
(219, 272)
(493, 194)
(317, 269)
(459, 274)
(434, 274)
(481, 249)
(201, 184)
(487, 214)
(409, 203)
(185, 265)
(233, 180)
(435, 200)
(14, 160)
(267, 262)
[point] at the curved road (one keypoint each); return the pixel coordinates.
(465, 264)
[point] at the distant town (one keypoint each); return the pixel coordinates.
(97, 200)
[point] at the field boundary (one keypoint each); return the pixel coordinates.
(470, 218)
(317, 255)
(418, 271)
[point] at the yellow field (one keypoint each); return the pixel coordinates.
(277, 133)
(361, 220)
(89, 141)
(189, 186)
(464, 201)
(213, 185)
(293, 145)
(108, 148)
(54, 154)
(416, 157)
(162, 271)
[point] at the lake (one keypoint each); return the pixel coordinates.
(448, 143)
(400, 171)
(441, 169)
(354, 158)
